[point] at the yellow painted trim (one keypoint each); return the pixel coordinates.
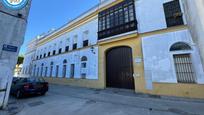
(110, 5)
(118, 39)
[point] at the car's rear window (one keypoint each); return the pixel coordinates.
(35, 80)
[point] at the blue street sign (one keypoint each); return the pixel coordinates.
(9, 48)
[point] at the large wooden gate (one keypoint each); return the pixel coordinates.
(119, 68)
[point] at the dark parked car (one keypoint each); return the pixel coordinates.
(27, 86)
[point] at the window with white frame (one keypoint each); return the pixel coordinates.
(67, 45)
(75, 39)
(84, 62)
(183, 63)
(85, 38)
(83, 67)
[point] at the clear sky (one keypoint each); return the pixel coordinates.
(48, 14)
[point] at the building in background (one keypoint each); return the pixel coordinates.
(17, 70)
(13, 25)
(141, 45)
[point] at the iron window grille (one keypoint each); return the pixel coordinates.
(173, 13)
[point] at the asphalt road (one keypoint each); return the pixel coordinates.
(66, 100)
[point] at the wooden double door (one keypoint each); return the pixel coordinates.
(119, 68)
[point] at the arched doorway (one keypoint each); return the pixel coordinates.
(119, 68)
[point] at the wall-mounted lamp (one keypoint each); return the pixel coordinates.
(93, 50)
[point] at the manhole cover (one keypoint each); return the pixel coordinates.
(37, 103)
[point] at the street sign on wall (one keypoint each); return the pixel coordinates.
(9, 48)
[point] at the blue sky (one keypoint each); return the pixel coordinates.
(47, 14)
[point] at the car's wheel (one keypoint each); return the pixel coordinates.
(18, 94)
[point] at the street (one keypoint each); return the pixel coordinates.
(67, 100)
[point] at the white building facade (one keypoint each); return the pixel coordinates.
(134, 44)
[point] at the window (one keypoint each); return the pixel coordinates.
(72, 71)
(117, 19)
(83, 76)
(57, 71)
(51, 68)
(184, 68)
(41, 73)
(183, 63)
(45, 71)
(74, 46)
(40, 56)
(84, 58)
(85, 38)
(54, 52)
(83, 62)
(64, 70)
(173, 13)
(180, 46)
(67, 48)
(83, 65)
(37, 57)
(60, 50)
(85, 43)
(44, 55)
(34, 70)
(75, 42)
(38, 72)
(48, 54)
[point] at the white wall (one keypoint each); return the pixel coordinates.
(61, 42)
(72, 58)
(158, 60)
(150, 15)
